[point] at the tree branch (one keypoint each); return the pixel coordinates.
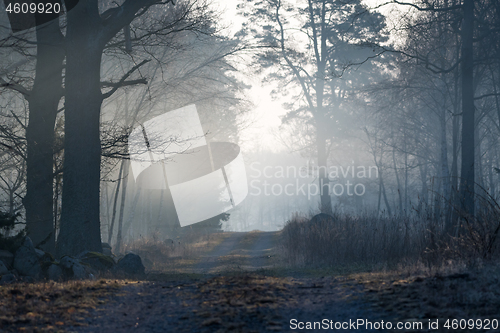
(430, 8)
(428, 65)
(487, 95)
(123, 81)
(16, 87)
(18, 120)
(115, 19)
(110, 84)
(289, 62)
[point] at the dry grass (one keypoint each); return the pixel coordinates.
(160, 255)
(412, 270)
(377, 243)
(370, 242)
(49, 307)
(453, 292)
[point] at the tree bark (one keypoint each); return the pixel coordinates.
(80, 224)
(115, 202)
(43, 103)
(389, 212)
(400, 198)
(445, 171)
(468, 120)
(324, 181)
(119, 235)
(453, 214)
(424, 191)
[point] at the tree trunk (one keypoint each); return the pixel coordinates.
(424, 191)
(43, 103)
(132, 210)
(397, 181)
(80, 225)
(389, 212)
(445, 171)
(453, 215)
(324, 181)
(119, 235)
(479, 177)
(115, 202)
(492, 142)
(468, 120)
(406, 174)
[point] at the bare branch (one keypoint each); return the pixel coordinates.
(116, 18)
(123, 81)
(18, 120)
(430, 8)
(16, 87)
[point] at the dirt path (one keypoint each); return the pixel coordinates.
(240, 303)
(239, 251)
(239, 286)
(232, 294)
(261, 254)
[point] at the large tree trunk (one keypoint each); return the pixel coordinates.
(452, 211)
(80, 225)
(43, 103)
(468, 120)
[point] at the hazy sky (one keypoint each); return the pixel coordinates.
(267, 112)
(266, 115)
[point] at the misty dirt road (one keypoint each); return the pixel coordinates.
(240, 251)
(239, 285)
(228, 290)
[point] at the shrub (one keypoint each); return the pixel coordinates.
(7, 224)
(353, 240)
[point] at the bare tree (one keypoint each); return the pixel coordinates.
(312, 57)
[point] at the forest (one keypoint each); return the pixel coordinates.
(255, 148)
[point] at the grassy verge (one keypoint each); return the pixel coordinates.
(179, 257)
(458, 293)
(48, 307)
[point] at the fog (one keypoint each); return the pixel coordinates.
(286, 110)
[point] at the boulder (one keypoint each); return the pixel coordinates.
(54, 272)
(39, 253)
(8, 278)
(7, 258)
(68, 262)
(321, 219)
(74, 267)
(130, 265)
(79, 272)
(26, 260)
(106, 249)
(3, 268)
